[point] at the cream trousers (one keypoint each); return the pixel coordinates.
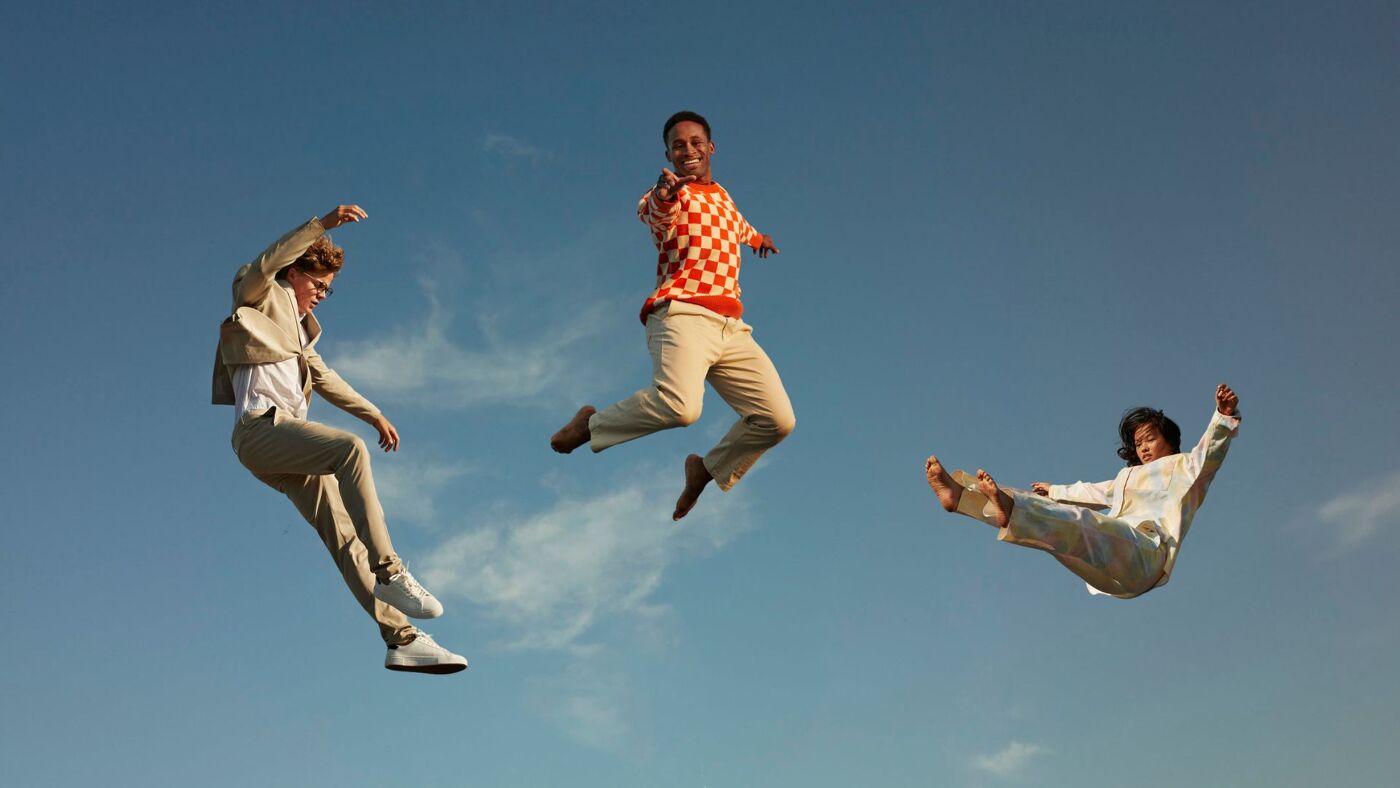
(326, 474)
(690, 345)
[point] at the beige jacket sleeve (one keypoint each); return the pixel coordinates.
(255, 280)
(326, 382)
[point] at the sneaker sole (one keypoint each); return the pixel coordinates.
(438, 669)
(419, 614)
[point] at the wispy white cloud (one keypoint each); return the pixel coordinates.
(511, 148)
(551, 577)
(425, 365)
(1009, 761)
(407, 487)
(1360, 513)
(590, 702)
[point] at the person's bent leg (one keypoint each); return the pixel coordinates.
(1109, 554)
(318, 500)
(291, 446)
(746, 378)
(683, 341)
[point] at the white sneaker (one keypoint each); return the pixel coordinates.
(411, 599)
(424, 655)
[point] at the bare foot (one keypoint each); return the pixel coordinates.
(948, 491)
(696, 477)
(1000, 502)
(575, 433)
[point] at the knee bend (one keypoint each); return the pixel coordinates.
(778, 425)
(681, 411)
(356, 449)
(685, 415)
(784, 424)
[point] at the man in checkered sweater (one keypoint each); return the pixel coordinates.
(694, 327)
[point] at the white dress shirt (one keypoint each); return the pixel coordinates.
(261, 386)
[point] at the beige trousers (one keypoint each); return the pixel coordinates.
(326, 474)
(690, 345)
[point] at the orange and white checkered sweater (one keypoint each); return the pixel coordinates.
(697, 238)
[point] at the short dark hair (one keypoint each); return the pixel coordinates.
(684, 115)
(1135, 419)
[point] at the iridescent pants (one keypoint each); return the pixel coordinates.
(1113, 556)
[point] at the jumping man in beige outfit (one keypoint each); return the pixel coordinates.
(266, 367)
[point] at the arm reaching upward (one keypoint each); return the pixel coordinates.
(1227, 402)
(343, 214)
(255, 279)
(1205, 459)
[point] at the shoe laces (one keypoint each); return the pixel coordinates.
(410, 584)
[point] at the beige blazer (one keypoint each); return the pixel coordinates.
(263, 328)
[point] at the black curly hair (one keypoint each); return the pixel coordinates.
(1133, 420)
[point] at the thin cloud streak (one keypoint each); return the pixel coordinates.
(1360, 513)
(552, 577)
(407, 487)
(1010, 761)
(590, 702)
(510, 148)
(423, 365)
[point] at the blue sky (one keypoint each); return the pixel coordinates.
(1001, 224)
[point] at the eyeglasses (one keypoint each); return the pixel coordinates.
(324, 289)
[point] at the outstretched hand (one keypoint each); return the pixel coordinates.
(765, 245)
(388, 436)
(1226, 400)
(1041, 488)
(669, 184)
(343, 214)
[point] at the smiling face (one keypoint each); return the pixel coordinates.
(1150, 445)
(309, 289)
(689, 149)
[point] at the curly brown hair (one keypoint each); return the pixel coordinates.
(323, 257)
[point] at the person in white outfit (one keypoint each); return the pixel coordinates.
(1120, 536)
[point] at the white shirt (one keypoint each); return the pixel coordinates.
(277, 384)
(1162, 495)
